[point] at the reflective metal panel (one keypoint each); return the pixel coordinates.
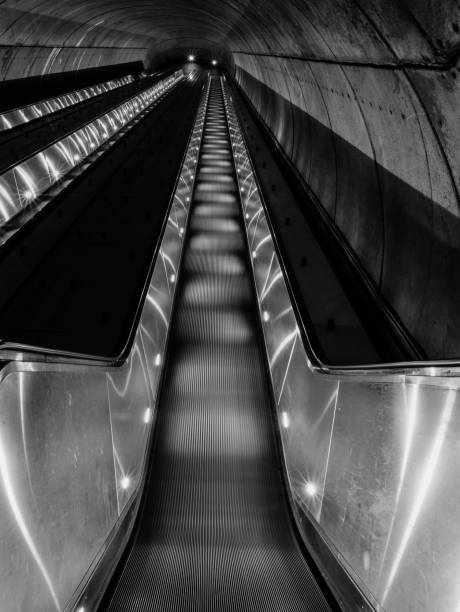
(131, 412)
(57, 484)
(372, 458)
(21, 186)
(42, 108)
(73, 439)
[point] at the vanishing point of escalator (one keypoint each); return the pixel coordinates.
(215, 532)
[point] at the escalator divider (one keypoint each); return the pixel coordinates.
(190, 159)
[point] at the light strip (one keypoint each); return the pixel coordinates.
(18, 116)
(426, 477)
(11, 496)
(25, 182)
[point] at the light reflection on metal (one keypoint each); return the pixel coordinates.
(267, 276)
(28, 181)
(372, 456)
(284, 312)
(158, 308)
(410, 404)
(281, 346)
(148, 415)
(166, 257)
(278, 276)
(311, 489)
(254, 217)
(22, 410)
(25, 114)
(121, 390)
(426, 477)
(286, 371)
(31, 178)
(91, 433)
(285, 419)
(6, 475)
(125, 483)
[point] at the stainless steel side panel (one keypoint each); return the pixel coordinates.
(58, 484)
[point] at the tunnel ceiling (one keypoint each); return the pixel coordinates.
(421, 31)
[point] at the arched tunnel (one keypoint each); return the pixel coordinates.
(230, 307)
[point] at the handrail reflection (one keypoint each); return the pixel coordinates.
(23, 187)
(43, 108)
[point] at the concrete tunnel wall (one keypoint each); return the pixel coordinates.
(362, 96)
(369, 143)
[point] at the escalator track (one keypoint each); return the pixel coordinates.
(215, 532)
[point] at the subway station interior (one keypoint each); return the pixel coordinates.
(230, 305)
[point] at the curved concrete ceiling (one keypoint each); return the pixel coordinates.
(344, 30)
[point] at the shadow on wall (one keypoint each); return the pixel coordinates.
(407, 242)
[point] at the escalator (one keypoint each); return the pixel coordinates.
(97, 235)
(214, 532)
(198, 455)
